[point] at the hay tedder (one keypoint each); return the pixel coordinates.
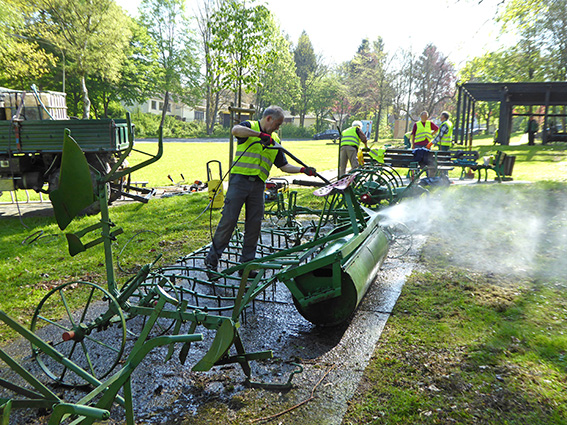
(326, 258)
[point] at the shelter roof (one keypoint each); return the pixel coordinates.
(519, 93)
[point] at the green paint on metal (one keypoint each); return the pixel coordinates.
(75, 191)
(222, 342)
(6, 408)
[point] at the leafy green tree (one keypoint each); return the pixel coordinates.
(137, 76)
(309, 69)
(279, 83)
(241, 46)
(175, 48)
(342, 106)
(323, 95)
(370, 80)
(522, 17)
(555, 23)
(212, 77)
(93, 34)
(22, 60)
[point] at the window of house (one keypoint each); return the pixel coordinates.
(154, 104)
(199, 116)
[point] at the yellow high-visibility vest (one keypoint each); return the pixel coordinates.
(447, 138)
(423, 132)
(254, 160)
(350, 137)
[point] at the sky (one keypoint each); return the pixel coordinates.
(460, 29)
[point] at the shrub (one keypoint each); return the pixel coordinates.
(290, 131)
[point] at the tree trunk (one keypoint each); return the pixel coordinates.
(86, 100)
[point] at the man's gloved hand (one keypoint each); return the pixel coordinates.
(310, 171)
(266, 139)
(365, 149)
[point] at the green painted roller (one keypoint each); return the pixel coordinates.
(329, 288)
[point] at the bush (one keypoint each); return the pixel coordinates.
(290, 131)
(147, 126)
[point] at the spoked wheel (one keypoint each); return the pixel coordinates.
(84, 323)
(372, 189)
(400, 238)
(277, 218)
(146, 296)
(391, 175)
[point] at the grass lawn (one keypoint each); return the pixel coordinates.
(478, 333)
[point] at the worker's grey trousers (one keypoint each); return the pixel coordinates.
(242, 190)
(350, 154)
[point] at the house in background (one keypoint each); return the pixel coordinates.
(179, 110)
(184, 112)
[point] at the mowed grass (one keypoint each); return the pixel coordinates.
(188, 161)
(477, 335)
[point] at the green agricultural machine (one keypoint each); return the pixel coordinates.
(327, 258)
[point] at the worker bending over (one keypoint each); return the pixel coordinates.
(350, 141)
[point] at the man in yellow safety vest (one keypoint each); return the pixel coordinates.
(246, 186)
(444, 138)
(423, 131)
(350, 141)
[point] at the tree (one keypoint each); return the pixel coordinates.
(241, 45)
(342, 106)
(434, 79)
(137, 75)
(175, 48)
(323, 95)
(309, 69)
(93, 34)
(542, 29)
(371, 81)
(279, 83)
(212, 81)
(22, 60)
(402, 84)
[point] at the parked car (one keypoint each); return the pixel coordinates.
(327, 134)
(478, 130)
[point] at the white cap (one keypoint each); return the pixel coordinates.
(357, 124)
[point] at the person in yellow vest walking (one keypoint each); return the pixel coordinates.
(444, 137)
(247, 183)
(350, 141)
(423, 131)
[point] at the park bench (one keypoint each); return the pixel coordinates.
(502, 164)
(434, 161)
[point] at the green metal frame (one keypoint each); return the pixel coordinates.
(96, 404)
(327, 267)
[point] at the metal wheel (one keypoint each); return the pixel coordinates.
(372, 189)
(391, 175)
(146, 296)
(85, 324)
(400, 238)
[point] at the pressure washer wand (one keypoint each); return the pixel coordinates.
(296, 159)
